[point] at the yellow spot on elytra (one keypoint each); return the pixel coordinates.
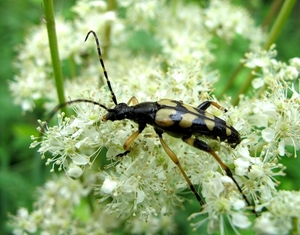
(167, 102)
(162, 117)
(209, 123)
(228, 131)
(187, 120)
(190, 108)
(210, 116)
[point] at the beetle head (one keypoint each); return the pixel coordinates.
(119, 112)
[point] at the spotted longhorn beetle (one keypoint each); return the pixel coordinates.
(172, 117)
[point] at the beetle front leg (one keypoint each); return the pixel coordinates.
(133, 100)
(174, 158)
(130, 140)
(205, 147)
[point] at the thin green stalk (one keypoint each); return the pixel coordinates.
(275, 30)
(112, 5)
(280, 21)
(56, 65)
(271, 14)
(174, 7)
(295, 229)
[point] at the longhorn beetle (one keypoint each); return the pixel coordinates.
(172, 117)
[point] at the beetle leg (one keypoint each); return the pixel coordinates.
(174, 158)
(205, 147)
(130, 140)
(133, 100)
(206, 104)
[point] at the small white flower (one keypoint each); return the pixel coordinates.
(213, 186)
(268, 134)
(264, 225)
(257, 83)
(241, 221)
(282, 215)
(295, 62)
(24, 222)
(109, 185)
(74, 171)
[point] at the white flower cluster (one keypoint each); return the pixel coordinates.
(145, 184)
(271, 126)
(62, 208)
(224, 19)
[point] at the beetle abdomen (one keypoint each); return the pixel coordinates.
(181, 120)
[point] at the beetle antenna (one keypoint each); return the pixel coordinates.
(58, 107)
(114, 98)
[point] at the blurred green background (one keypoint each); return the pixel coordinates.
(21, 168)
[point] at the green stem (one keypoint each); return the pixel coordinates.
(273, 35)
(295, 229)
(278, 25)
(112, 5)
(56, 65)
(174, 7)
(271, 14)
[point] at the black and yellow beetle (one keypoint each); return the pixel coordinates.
(172, 117)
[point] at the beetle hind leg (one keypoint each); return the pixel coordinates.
(205, 105)
(205, 147)
(174, 158)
